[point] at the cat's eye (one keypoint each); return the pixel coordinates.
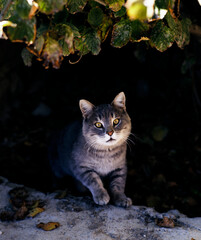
(98, 125)
(116, 121)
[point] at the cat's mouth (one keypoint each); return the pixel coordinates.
(111, 140)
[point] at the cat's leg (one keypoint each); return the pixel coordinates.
(90, 179)
(117, 181)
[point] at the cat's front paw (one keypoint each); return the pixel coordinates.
(122, 201)
(101, 197)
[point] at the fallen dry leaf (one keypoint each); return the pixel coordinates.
(48, 226)
(21, 213)
(165, 222)
(35, 212)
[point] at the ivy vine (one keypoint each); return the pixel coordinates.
(54, 29)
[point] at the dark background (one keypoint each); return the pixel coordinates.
(163, 99)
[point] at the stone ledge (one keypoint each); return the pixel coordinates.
(81, 219)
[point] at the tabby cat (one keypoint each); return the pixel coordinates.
(94, 152)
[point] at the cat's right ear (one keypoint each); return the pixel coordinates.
(86, 107)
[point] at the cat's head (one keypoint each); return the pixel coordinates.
(106, 125)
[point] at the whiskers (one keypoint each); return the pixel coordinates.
(99, 147)
(130, 140)
(135, 136)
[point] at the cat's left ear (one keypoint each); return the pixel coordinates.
(120, 101)
(86, 107)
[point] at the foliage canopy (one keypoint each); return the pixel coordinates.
(54, 29)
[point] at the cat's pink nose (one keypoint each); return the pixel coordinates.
(110, 132)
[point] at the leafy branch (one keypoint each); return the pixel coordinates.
(54, 29)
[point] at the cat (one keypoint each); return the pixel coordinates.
(94, 151)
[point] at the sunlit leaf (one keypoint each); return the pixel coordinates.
(35, 212)
(52, 53)
(75, 6)
(24, 31)
(115, 5)
(162, 37)
(105, 27)
(95, 17)
(140, 9)
(5, 24)
(121, 33)
(68, 29)
(51, 6)
(137, 11)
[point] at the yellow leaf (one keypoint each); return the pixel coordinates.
(35, 211)
(48, 226)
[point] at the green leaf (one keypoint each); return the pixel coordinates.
(115, 5)
(139, 30)
(164, 4)
(171, 21)
(51, 6)
(75, 6)
(24, 31)
(121, 33)
(95, 17)
(80, 46)
(179, 28)
(23, 8)
(52, 53)
(120, 13)
(162, 37)
(65, 48)
(92, 3)
(93, 42)
(27, 57)
(66, 34)
(39, 43)
(105, 27)
(183, 38)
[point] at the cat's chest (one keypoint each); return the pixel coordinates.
(104, 162)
